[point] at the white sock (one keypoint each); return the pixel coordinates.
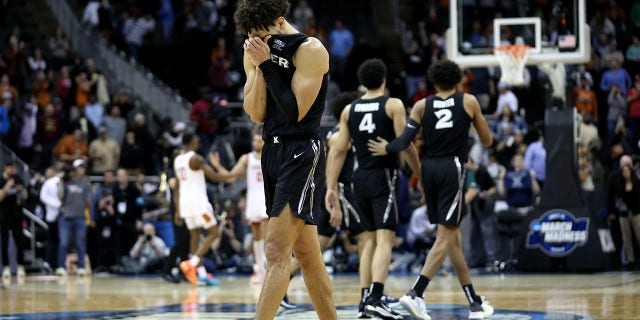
(195, 260)
(258, 252)
(202, 272)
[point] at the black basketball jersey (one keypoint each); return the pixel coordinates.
(349, 162)
(367, 120)
(283, 48)
(445, 125)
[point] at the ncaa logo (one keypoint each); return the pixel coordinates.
(557, 233)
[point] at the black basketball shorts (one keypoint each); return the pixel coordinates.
(376, 191)
(443, 182)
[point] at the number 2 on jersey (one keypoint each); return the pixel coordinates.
(367, 123)
(444, 119)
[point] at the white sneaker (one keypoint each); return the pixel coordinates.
(415, 305)
(81, 272)
(21, 273)
(61, 272)
(480, 310)
(6, 273)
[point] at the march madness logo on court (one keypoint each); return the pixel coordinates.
(557, 233)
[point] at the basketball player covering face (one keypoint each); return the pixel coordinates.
(374, 182)
(445, 119)
(286, 88)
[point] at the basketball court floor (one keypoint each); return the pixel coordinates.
(515, 296)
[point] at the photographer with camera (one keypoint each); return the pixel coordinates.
(12, 196)
(148, 254)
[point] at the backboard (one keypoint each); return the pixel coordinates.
(556, 30)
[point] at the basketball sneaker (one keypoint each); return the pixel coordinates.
(61, 272)
(6, 273)
(376, 308)
(189, 272)
(480, 310)
(415, 305)
(20, 272)
(285, 303)
(361, 313)
(208, 281)
(81, 272)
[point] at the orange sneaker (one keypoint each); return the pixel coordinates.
(189, 272)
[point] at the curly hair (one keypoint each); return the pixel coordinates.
(445, 74)
(372, 73)
(342, 100)
(259, 14)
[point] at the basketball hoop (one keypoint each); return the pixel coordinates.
(512, 59)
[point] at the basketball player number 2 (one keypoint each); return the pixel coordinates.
(367, 123)
(444, 119)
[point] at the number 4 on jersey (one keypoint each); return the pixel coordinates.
(367, 123)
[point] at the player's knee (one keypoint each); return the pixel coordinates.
(275, 252)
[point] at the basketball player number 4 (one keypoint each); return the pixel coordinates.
(444, 119)
(367, 123)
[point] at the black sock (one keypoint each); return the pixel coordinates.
(376, 290)
(471, 294)
(364, 292)
(420, 285)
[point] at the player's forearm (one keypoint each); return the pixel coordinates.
(410, 156)
(255, 97)
(404, 140)
(335, 161)
(280, 91)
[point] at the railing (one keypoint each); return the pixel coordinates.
(153, 92)
(30, 234)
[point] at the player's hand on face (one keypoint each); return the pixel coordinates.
(257, 50)
(378, 147)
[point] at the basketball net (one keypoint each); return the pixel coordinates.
(512, 59)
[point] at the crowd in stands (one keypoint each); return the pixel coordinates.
(58, 115)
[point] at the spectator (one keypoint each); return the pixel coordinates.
(633, 54)
(104, 152)
(94, 111)
(615, 76)
(41, 88)
(90, 14)
(116, 125)
(76, 203)
(26, 123)
(63, 83)
(587, 161)
(578, 75)
(415, 65)
(59, 47)
(340, 43)
(83, 88)
(483, 249)
(135, 31)
(509, 124)
(617, 106)
(7, 87)
(301, 14)
(148, 253)
(107, 225)
(506, 98)
(421, 93)
(105, 22)
(313, 30)
(226, 247)
(52, 203)
(624, 203)
(123, 100)
(518, 186)
(15, 59)
(125, 196)
(5, 119)
(132, 152)
(48, 133)
(167, 19)
(12, 195)
(71, 147)
(585, 99)
(633, 99)
(146, 141)
(480, 87)
(202, 113)
(37, 62)
(536, 159)
(219, 70)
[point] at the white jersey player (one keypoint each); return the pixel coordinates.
(193, 206)
(250, 165)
